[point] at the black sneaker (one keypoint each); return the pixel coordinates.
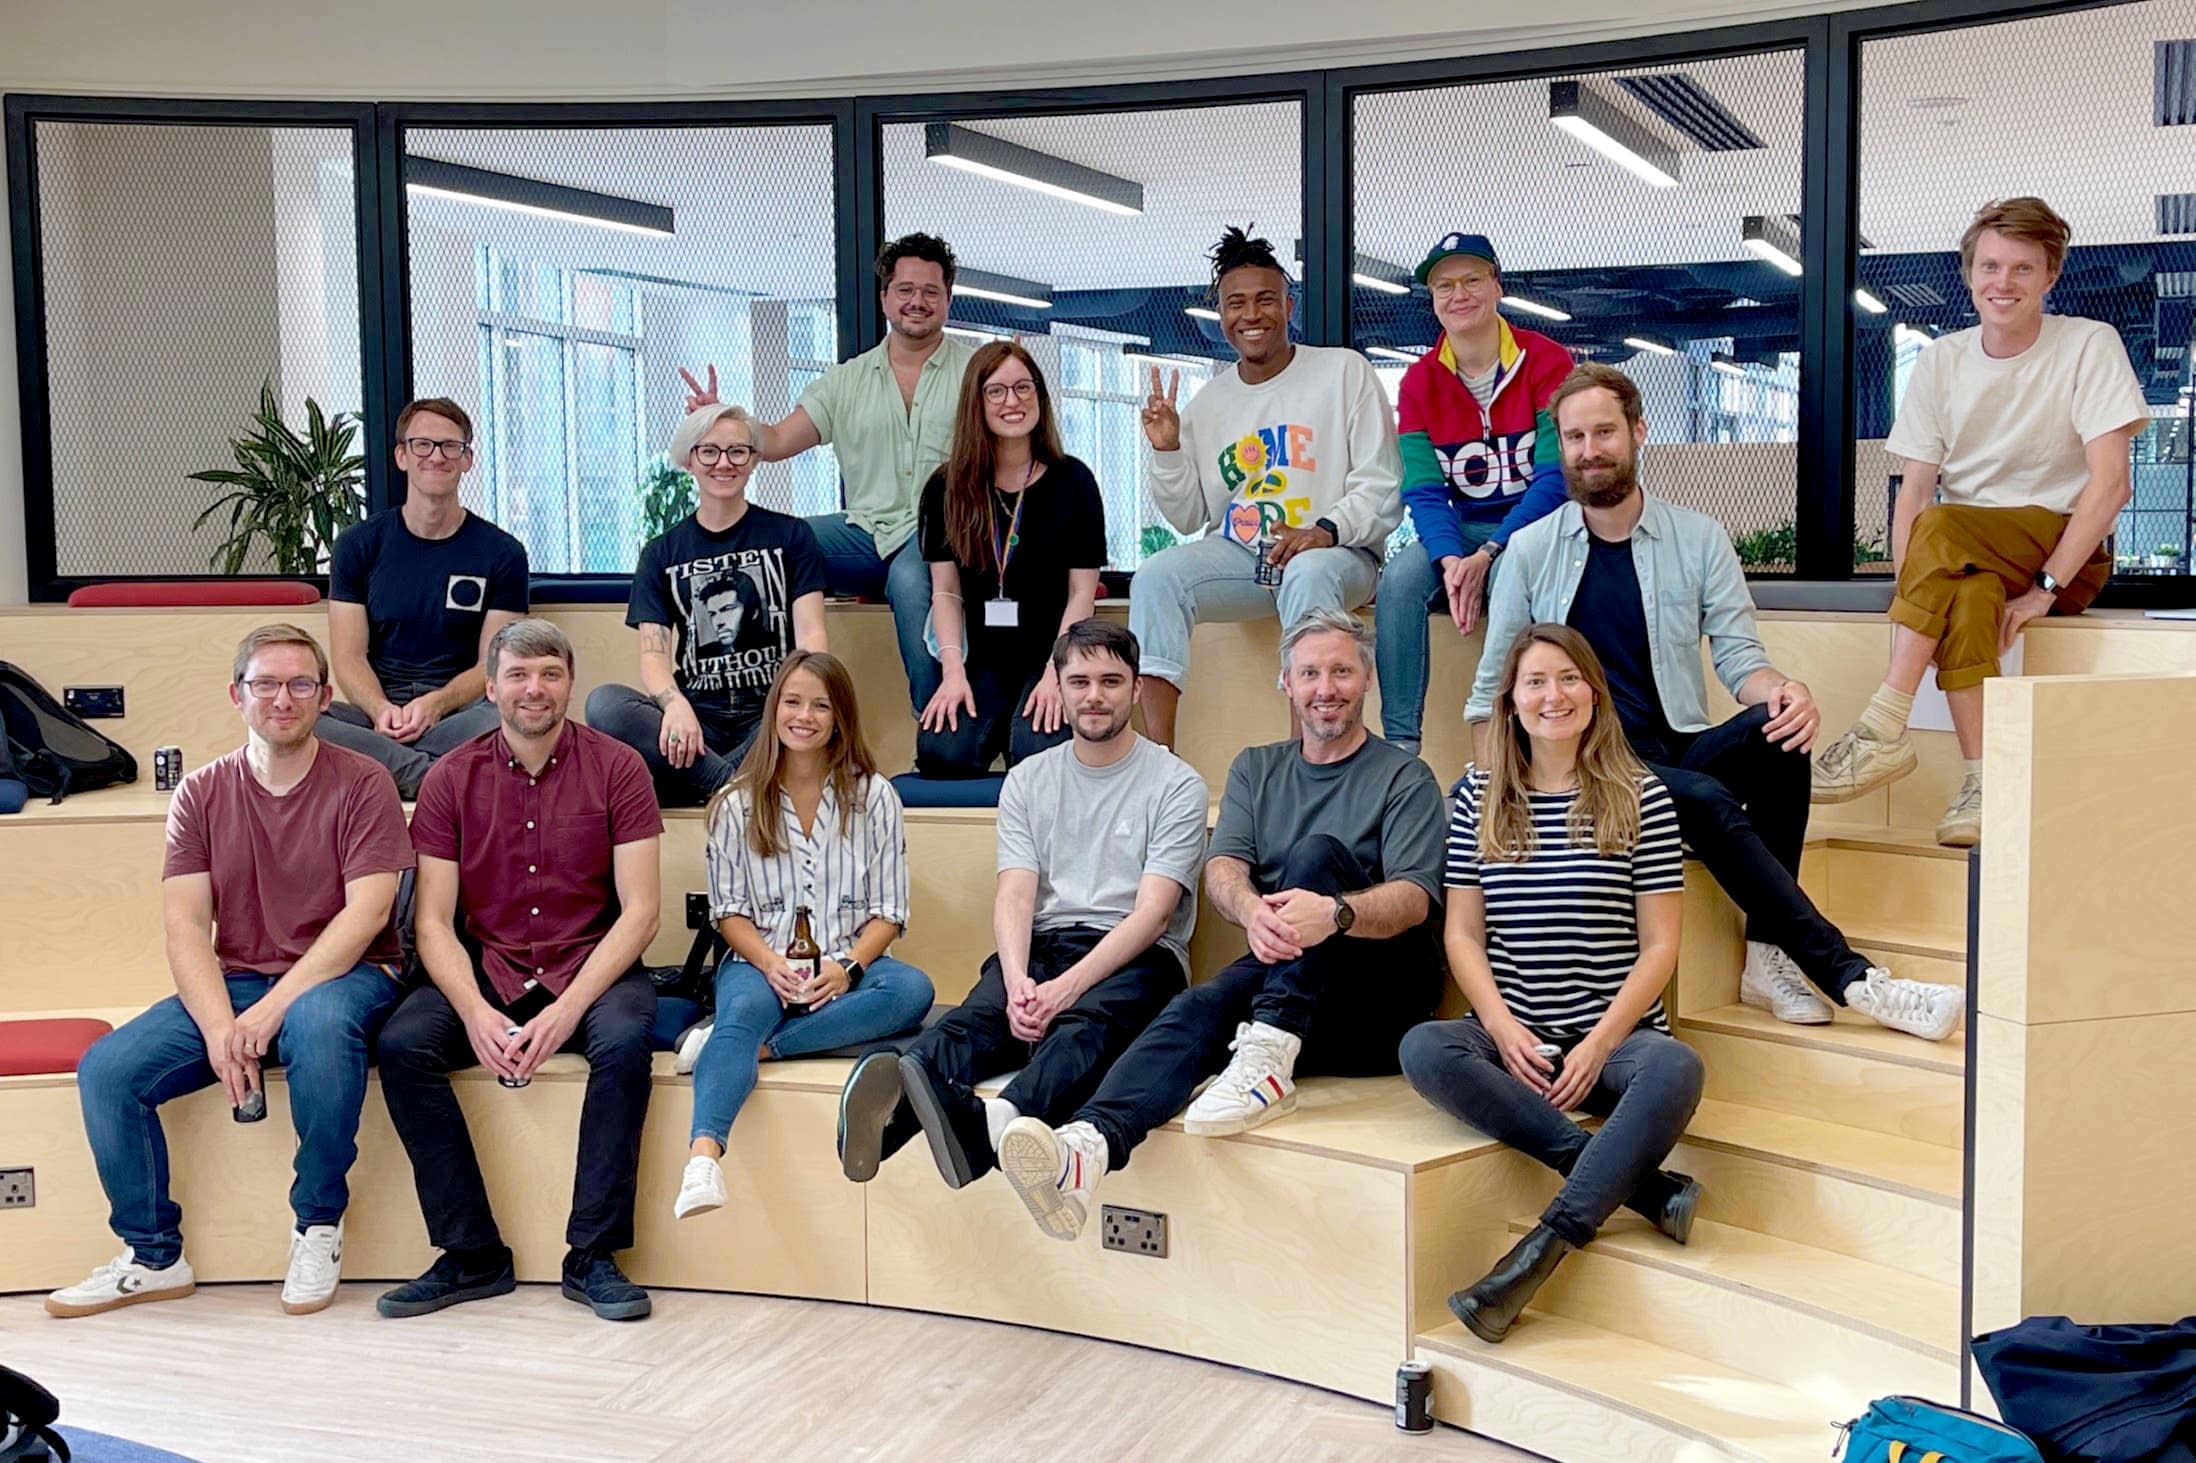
(872, 1095)
(593, 1278)
(951, 1124)
(453, 1278)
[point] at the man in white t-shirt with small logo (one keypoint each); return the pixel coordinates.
(2023, 424)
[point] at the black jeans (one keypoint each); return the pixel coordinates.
(997, 726)
(1742, 808)
(1648, 1089)
(636, 720)
(973, 1041)
(1349, 999)
(425, 1042)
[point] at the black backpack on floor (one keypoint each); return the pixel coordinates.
(48, 747)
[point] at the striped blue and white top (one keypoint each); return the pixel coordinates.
(1563, 926)
(846, 879)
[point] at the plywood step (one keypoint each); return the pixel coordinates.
(1906, 889)
(1581, 1394)
(1850, 1034)
(1851, 1083)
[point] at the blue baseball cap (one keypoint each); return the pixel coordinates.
(1475, 245)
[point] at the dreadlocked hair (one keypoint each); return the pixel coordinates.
(1237, 249)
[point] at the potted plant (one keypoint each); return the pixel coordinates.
(667, 495)
(291, 496)
(2168, 556)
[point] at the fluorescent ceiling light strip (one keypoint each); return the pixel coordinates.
(1004, 297)
(1386, 353)
(463, 184)
(1766, 250)
(1583, 113)
(1007, 289)
(535, 211)
(1385, 286)
(1199, 312)
(1727, 367)
(974, 334)
(1869, 302)
(1653, 347)
(1534, 307)
(1009, 162)
(1773, 237)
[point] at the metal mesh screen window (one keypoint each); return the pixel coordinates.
(184, 266)
(2087, 111)
(560, 278)
(1654, 277)
(1099, 223)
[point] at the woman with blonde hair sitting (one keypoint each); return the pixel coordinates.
(807, 826)
(1565, 880)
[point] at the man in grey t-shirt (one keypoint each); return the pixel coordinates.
(1099, 844)
(1328, 854)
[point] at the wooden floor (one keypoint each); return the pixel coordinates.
(226, 1377)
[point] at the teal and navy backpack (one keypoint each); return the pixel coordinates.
(1911, 1430)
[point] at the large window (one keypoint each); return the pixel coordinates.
(2092, 111)
(561, 278)
(1642, 264)
(1100, 286)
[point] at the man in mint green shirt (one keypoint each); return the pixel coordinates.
(889, 414)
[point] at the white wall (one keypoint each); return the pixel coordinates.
(659, 49)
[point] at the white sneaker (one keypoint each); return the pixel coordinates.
(998, 1112)
(1857, 764)
(691, 1042)
(1961, 826)
(1055, 1173)
(1916, 1007)
(1255, 1087)
(122, 1282)
(316, 1265)
(1773, 982)
(701, 1189)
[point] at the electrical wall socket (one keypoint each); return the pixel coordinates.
(18, 1188)
(697, 911)
(1134, 1231)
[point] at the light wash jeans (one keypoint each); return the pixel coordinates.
(852, 566)
(893, 997)
(128, 1073)
(1210, 579)
(1411, 590)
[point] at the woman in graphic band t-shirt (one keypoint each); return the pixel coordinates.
(719, 599)
(1015, 533)
(1565, 879)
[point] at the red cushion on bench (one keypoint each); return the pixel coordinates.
(47, 1045)
(162, 593)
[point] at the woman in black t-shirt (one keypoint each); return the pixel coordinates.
(1015, 533)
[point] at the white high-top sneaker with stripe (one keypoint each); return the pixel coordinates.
(1055, 1172)
(1256, 1087)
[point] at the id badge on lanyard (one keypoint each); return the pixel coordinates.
(1000, 611)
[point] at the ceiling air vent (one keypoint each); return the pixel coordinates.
(2175, 284)
(2177, 213)
(2174, 96)
(1690, 108)
(1913, 296)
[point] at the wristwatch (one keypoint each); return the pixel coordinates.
(1328, 524)
(854, 973)
(2046, 583)
(1492, 548)
(1344, 916)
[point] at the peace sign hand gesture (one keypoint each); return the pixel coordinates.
(1162, 423)
(698, 395)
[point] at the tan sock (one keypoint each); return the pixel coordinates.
(1886, 713)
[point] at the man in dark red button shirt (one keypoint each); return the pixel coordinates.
(537, 895)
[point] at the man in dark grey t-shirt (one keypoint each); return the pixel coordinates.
(1328, 854)
(1099, 844)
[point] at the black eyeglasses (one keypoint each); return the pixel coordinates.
(266, 688)
(424, 447)
(708, 453)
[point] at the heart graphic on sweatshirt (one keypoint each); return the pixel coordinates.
(1243, 521)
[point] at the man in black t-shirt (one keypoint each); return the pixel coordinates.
(718, 599)
(415, 594)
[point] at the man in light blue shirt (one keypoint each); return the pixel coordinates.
(1643, 580)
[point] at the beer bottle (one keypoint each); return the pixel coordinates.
(805, 954)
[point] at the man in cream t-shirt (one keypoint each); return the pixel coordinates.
(2023, 424)
(1294, 446)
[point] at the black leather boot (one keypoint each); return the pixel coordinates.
(1490, 1308)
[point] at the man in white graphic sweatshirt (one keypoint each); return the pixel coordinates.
(1291, 456)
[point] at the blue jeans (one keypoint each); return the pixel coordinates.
(852, 566)
(1210, 579)
(892, 998)
(125, 1077)
(1410, 590)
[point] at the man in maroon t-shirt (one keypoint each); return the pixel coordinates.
(537, 895)
(281, 870)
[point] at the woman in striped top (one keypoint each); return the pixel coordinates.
(1565, 880)
(806, 823)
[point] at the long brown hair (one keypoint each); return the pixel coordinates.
(761, 774)
(1606, 812)
(973, 467)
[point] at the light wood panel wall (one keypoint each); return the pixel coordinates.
(2086, 1062)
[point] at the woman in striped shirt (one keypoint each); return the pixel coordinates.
(1565, 880)
(806, 823)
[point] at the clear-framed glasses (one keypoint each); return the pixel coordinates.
(737, 454)
(1022, 390)
(426, 447)
(265, 688)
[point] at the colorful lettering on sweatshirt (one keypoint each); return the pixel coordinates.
(1502, 464)
(1256, 468)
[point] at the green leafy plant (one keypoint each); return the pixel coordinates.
(1779, 545)
(667, 495)
(291, 496)
(1156, 536)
